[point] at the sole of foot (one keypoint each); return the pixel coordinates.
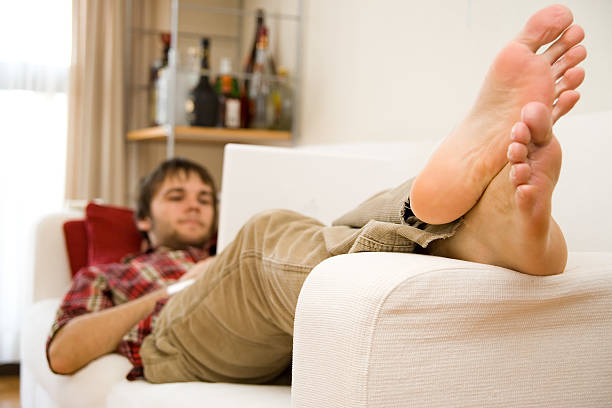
(463, 165)
(511, 226)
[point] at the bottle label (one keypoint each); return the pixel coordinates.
(232, 113)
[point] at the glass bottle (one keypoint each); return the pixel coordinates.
(250, 62)
(228, 93)
(280, 102)
(187, 76)
(154, 74)
(259, 87)
(245, 105)
(202, 104)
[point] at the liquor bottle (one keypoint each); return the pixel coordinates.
(245, 105)
(250, 62)
(202, 104)
(259, 87)
(154, 72)
(228, 93)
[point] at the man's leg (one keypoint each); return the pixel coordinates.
(235, 323)
(468, 159)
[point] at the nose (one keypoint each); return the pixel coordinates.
(193, 204)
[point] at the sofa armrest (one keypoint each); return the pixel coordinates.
(388, 329)
(51, 270)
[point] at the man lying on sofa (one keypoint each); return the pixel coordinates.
(496, 172)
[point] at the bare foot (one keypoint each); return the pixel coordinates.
(511, 226)
(467, 160)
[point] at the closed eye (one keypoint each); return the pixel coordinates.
(205, 198)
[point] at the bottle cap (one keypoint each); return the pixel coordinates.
(260, 16)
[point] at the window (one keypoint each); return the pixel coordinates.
(35, 39)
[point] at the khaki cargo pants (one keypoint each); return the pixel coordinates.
(235, 323)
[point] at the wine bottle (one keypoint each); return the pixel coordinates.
(245, 105)
(259, 87)
(228, 93)
(250, 62)
(203, 104)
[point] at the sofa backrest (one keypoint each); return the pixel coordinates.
(321, 182)
(324, 181)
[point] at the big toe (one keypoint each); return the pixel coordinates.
(545, 25)
(538, 119)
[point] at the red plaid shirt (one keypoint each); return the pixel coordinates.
(100, 287)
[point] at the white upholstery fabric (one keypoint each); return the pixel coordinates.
(142, 394)
(50, 255)
(86, 388)
(383, 329)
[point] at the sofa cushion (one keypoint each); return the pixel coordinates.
(107, 234)
(111, 233)
(75, 235)
(140, 393)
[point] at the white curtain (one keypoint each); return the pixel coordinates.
(35, 40)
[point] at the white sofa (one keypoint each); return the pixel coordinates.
(380, 329)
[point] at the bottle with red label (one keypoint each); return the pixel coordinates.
(228, 93)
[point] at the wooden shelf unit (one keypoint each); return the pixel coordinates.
(197, 134)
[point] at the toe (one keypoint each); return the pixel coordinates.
(537, 117)
(566, 101)
(571, 37)
(569, 60)
(572, 79)
(517, 152)
(544, 26)
(520, 173)
(520, 133)
(526, 195)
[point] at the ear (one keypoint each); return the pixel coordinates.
(144, 224)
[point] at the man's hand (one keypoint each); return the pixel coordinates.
(197, 269)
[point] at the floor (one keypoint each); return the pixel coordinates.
(9, 392)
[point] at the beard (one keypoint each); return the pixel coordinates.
(169, 237)
(176, 241)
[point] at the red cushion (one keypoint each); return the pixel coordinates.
(75, 234)
(111, 233)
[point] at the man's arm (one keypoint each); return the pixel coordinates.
(92, 335)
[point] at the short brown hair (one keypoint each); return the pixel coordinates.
(149, 185)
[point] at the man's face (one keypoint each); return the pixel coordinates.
(182, 213)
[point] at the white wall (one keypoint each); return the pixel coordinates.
(398, 69)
